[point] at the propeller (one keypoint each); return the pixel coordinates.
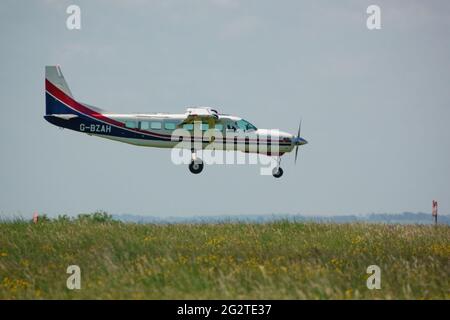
(298, 141)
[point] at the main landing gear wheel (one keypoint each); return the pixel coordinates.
(277, 172)
(196, 166)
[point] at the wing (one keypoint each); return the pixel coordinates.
(200, 115)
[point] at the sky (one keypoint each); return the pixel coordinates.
(375, 104)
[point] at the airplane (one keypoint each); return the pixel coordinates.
(158, 129)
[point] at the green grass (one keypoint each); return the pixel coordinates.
(224, 261)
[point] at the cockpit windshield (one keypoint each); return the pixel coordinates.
(245, 125)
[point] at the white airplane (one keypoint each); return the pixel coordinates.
(205, 127)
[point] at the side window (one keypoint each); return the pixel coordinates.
(205, 126)
(170, 126)
(188, 126)
(155, 125)
(145, 125)
(131, 124)
(219, 127)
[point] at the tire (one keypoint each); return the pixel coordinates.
(277, 172)
(196, 166)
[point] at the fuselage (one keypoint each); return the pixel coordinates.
(163, 130)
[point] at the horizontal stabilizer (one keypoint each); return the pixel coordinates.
(64, 116)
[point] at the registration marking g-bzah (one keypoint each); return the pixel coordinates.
(97, 128)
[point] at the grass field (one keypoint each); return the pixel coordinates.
(223, 261)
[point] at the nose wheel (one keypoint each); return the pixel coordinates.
(277, 172)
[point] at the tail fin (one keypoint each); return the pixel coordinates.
(54, 84)
(55, 76)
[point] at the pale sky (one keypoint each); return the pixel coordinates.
(375, 104)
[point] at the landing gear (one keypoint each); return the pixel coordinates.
(277, 172)
(196, 165)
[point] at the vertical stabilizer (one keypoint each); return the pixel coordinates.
(55, 76)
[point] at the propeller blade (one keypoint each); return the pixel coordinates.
(298, 136)
(299, 128)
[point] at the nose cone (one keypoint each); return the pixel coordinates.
(298, 141)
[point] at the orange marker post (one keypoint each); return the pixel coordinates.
(35, 217)
(434, 211)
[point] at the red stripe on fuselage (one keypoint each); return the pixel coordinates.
(59, 94)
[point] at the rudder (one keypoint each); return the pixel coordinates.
(54, 75)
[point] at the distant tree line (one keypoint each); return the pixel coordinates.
(97, 216)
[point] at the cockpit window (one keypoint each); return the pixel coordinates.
(245, 125)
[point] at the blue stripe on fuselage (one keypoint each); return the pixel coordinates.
(86, 124)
